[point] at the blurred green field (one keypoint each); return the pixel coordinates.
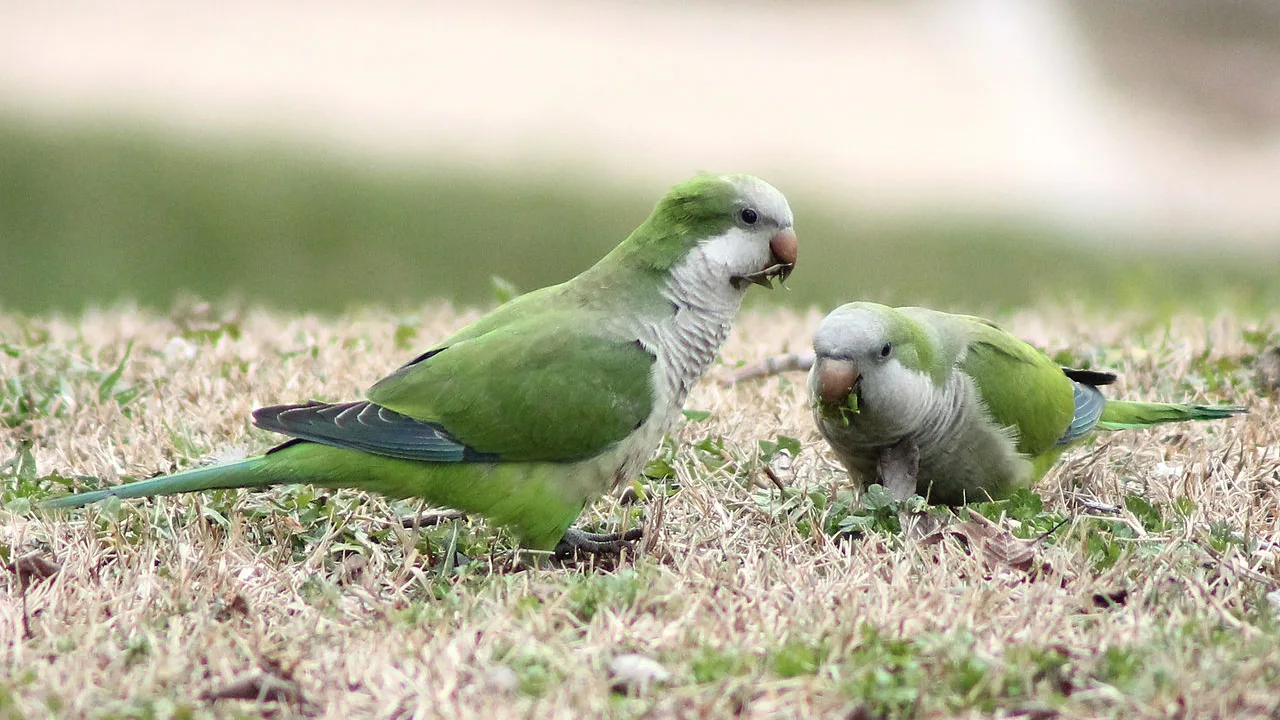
(97, 214)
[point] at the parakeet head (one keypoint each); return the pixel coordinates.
(738, 228)
(868, 358)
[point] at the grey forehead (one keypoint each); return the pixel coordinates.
(765, 198)
(848, 330)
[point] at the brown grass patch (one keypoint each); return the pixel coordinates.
(234, 603)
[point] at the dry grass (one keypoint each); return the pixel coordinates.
(750, 605)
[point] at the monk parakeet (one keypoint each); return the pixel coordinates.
(966, 410)
(538, 407)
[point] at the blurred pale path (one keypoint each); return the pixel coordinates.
(970, 105)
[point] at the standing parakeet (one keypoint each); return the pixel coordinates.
(532, 411)
(968, 410)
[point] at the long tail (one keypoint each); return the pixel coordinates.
(1122, 415)
(244, 473)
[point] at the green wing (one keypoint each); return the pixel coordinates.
(551, 387)
(1021, 386)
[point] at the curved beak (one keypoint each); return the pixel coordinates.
(837, 380)
(784, 246)
(783, 249)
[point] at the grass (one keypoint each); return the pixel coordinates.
(96, 213)
(1147, 593)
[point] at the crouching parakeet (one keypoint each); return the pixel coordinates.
(965, 409)
(537, 408)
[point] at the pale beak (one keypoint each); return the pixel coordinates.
(836, 380)
(783, 248)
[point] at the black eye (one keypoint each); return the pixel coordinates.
(886, 350)
(749, 216)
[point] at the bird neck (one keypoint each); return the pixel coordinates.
(687, 338)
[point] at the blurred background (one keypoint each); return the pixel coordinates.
(976, 154)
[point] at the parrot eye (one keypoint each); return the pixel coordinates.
(887, 350)
(749, 216)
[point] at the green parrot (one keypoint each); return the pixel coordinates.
(535, 409)
(953, 408)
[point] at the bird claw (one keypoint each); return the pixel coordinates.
(579, 541)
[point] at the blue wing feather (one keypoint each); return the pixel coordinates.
(1089, 404)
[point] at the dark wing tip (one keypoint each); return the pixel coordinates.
(424, 356)
(270, 417)
(366, 427)
(1090, 377)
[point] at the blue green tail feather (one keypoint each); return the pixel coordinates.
(1123, 415)
(538, 501)
(244, 473)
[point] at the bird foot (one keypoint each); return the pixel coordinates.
(577, 541)
(897, 467)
